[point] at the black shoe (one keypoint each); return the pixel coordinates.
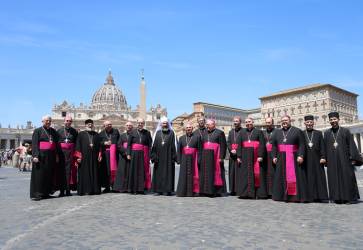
(61, 194)
(68, 193)
(106, 190)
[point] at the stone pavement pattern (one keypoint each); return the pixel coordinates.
(122, 221)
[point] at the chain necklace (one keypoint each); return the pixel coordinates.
(163, 138)
(66, 135)
(268, 136)
(139, 135)
(234, 135)
(208, 135)
(285, 135)
(310, 144)
(186, 139)
(48, 135)
(108, 136)
(90, 139)
(335, 144)
(200, 133)
(249, 134)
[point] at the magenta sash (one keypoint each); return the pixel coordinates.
(44, 145)
(269, 147)
(256, 164)
(290, 167)
(217, 153)
(67, 146)
(234, 146)
(145, 149)
(194, 153)
(113, 161)
(124, 145)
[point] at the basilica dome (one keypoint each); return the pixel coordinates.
(109, 96)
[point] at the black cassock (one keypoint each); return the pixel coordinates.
(200, 132)
(67, 172)
(108, 168)
(212, 180)
(232, 144)
(341, 177)
(122, 175)
(267, 160)
(290, 180)
(88, 149)
(44, 147)
(188, 183)
(163, 155)
(139, 177)
(251, 174)
(315, 151)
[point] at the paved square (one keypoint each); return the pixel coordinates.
(122, 221)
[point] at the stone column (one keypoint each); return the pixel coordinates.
(361, 143)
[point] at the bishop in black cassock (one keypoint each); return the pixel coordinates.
(342, 156)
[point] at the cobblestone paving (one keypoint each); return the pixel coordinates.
(122, 221)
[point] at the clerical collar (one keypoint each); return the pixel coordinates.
(309, 129)
(190, 134)
(335, 129)
(286, 128)
(250, 129)
(67, 128)
(110, 131)
(237, 129)
(165, 130)
(269, 130)
(211, 131)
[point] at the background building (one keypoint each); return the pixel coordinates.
(223, 115)
(316, 99)
(109, 103)
(13, 137)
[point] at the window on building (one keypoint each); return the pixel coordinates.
(3, 144)
(64, 114)
(12, 143)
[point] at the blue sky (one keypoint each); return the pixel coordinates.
(224, 52)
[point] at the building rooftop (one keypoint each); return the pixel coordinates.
(305, 88)
(225, 107)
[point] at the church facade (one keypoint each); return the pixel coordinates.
(109, 103)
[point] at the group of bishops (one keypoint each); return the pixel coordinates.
(285, 164)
